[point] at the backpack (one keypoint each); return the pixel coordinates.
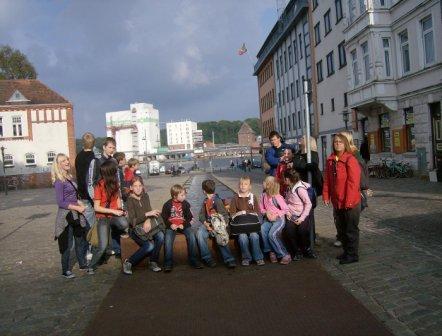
(219, 229)
(311, 194)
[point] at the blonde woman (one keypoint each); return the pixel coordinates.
(274, 208)
(69, 224)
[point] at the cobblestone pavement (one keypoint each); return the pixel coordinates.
(399, 275)
(34, 298)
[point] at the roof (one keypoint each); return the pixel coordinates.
(32, 89)
(245, 128)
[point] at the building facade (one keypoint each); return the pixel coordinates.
(266, 92)
(394, 78)
(180, 134)
(288, 46)
(246, 136)
(36, 124)
(136, 131)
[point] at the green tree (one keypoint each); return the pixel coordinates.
(15, 65)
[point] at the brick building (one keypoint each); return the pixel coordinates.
(246, 136)
(36, 123)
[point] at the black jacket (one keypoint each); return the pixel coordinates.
(187, 214)
(302, 167)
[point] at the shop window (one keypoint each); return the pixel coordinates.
(384, 123)
(409, 129)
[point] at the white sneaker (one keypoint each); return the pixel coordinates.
(337, 243)
(127, 267)
(153, 266)
(90, 271)
(88, 256)
(68, 275)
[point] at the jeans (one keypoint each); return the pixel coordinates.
(103, 227)
(271, 236)
(347, 222)
(244, 240)
(192, 251)
(67, 242)
(118, 226)
(146, 247)
(89, 213)
(158, 243)
(201, 236)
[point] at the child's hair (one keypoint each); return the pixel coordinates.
(132, 162)
(292, 176)
(176, 190)
(109, 140)
(271, 185)
(208, 186)
(108, 171)
(88, 140)
(119, 156)
(245, 178)
(137, 179)
(56, 172)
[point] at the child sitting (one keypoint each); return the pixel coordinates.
(140, 213)
(129, 173)
(298, 216)
(212, 206)
(177, 216)
(243, 209)
(273, 208)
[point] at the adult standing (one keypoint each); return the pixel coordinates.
(275, 153)
(341, 188)
(69, 224)
(365, 150)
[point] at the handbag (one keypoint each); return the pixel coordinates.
(156, 225)
(92, 235)
(246, 223)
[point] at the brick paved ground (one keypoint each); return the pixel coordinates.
(34, 298)
(399, 276)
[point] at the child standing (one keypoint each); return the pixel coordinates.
(243, 208)
(298, 216)
(129, 173)
(140, 213)
(177, 217)
(273, 208)
(212, 205)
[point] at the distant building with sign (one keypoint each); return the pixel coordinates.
(136, 130)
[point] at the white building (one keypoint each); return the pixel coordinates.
(36, 124)
(136, 131)
(180, 134)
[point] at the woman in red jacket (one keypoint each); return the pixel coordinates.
(342, 189)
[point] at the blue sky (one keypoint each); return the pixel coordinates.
(179, 55)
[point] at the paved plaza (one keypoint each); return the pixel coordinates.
(398, 278)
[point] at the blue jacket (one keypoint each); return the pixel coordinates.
(273, 159)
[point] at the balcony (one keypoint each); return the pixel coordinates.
(373, 93)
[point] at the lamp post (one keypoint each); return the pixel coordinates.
(5, 184)
(345, 118)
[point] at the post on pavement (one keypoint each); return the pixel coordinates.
(5, 183)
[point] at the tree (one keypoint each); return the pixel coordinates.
(15, 65)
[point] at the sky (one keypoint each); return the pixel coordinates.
(180, 56)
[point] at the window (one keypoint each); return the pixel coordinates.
(409, 129)
(366, 59)
(299, 119)
(386, 45)
(281, 65)
(345, 99)
(333, 104)
(289, 50)
(341, 52)
(330, 64)
(327, 25)
(277, 67)
(338, 8)
(279, 98)
(292, 91)
(1, 126)
(427, 39)
(315, 4)
(17, 126)
(51, 157)
(352, 10)
(9, 160)
(297, 88)
(362, 7)
(384, 122)
(354, 61)
(382, 3)
(319, 71)
(405, 51)
(295, 50)
(288, 93)
(289, 123)
(317, 33)
(285, 61)
(322, 109)
(283, 97)
(30, 159)
(300, 46)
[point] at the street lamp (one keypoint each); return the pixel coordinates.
(5, 184)
(345, 117)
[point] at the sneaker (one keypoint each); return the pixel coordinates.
(153, 266)
(337, 243)
(90, 271)
(309, 254)
(127, 267)
(297, 256)
(245, 262)
(168, 269)
(260, 262)
(348, 260)
(231, 264)
(211, 263)
(68, 275)
(273, 258)
(286, 259)
(88, 256)
(198, 265)
(83, 268)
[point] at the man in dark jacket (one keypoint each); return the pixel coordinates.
(274, 154)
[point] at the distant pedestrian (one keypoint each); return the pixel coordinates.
(120, 157)
(365, 150)
(70, 224)
(274, 154)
